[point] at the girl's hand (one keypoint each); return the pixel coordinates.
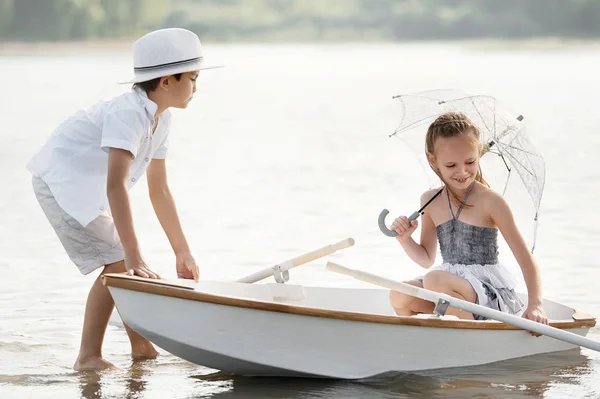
(403, 227)
(186, 266)
(537, 314)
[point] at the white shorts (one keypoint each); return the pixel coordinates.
(89, 247)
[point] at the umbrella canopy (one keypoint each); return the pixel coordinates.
(508, 156)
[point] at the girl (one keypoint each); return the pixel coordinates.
(465, 219)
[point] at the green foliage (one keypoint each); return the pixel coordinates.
(77, 19)
(272, 20)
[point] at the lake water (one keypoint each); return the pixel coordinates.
(283, 151)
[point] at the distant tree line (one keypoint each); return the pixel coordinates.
(49, 20)
(273, 20)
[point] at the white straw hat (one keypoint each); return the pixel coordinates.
(166, 52)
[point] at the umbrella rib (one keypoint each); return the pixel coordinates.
(520, 149)
(519, 163)
(534, 175)
(410, 125)
(439, 101)
(479, 113)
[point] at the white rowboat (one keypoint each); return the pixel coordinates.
(277, 329)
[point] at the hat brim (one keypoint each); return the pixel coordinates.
(144, 76)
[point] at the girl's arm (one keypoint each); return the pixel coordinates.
(422, 253)
(503, 218)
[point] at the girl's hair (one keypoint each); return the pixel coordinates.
(451, 124)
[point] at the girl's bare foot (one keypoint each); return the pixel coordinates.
(93, 364)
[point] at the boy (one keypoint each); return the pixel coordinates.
(82, 174)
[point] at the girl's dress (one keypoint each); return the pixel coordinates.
(471, 252)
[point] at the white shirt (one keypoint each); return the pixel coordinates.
(74, 160)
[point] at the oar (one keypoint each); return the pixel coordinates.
(467, 306)
(280, 268)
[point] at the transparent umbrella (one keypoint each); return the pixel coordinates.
(508, 157)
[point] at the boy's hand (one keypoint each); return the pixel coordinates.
(136, 266)
(186, 266)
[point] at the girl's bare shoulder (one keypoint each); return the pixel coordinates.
(492, 201)
(488, 194)
(429, 194)
(436, 207)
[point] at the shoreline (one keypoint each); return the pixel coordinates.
(125, 44)
(75, 46)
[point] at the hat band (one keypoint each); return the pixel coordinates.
(169, 64)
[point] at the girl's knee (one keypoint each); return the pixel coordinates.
(447, 283)
(404, 299)
(435, 281)
(400, 300)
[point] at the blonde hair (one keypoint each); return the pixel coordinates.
(451, 124)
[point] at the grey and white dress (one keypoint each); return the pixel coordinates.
(471, 252)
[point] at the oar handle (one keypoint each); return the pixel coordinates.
(460, 304)
(319, 253)
(297, 261)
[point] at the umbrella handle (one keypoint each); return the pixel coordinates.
(383, 227)
(415, 215)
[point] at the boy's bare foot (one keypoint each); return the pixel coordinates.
(144, 351)
(93, 364)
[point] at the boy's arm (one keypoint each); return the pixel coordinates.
(119, 162)
(164, 207)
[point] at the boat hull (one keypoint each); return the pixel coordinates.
(248, 340)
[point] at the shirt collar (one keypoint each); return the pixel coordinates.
(149, 105)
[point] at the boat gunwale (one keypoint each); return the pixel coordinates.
(174, 290)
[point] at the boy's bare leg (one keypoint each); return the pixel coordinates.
(141, 348)
(97, 312)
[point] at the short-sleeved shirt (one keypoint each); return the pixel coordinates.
(74, 160)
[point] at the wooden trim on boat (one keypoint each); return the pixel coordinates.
(165, 288)
(582, 316)
(147, 280)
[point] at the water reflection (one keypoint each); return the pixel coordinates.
(135, 383)
(90, 384)
(518, 378)
(133, 380)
